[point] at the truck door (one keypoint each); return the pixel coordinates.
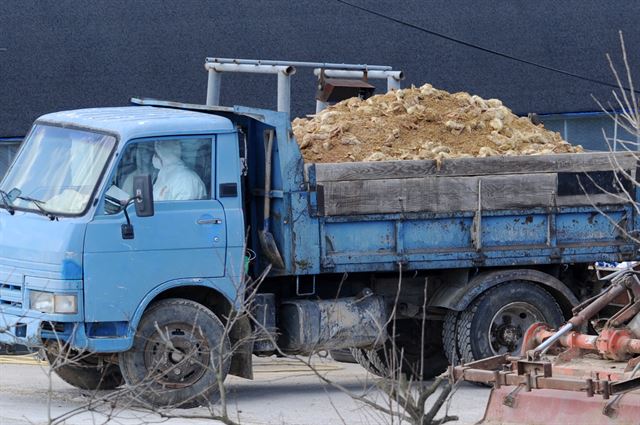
(186, 239)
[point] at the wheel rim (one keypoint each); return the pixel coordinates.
(509, 324)
(178, 357)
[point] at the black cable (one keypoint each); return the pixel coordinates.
(482, 49)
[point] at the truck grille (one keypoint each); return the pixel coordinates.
(11, 288)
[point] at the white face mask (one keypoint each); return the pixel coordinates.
(157, 162)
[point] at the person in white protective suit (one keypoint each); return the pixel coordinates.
(144, 154)
(175, 180)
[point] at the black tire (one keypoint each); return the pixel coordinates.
(15, 350)
(178, 367)
(495, 322)
(416, 362)
(84, 371)
(361, 357)
(450, 337)
(342, 356)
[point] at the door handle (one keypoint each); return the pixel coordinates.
(209, 221)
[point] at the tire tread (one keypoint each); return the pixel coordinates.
(466, 318)
(449, 337)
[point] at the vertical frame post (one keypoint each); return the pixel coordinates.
(213, 87)
(284, 92)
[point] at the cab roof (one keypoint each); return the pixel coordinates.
(131, 122)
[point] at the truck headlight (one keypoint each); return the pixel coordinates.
(48, 302)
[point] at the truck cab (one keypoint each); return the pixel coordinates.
(71, 268)
(59, 227)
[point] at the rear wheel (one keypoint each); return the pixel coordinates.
(83, 370)
(495, 322)
(342, 356)
(450, 337)
(407, 355)
(179, 357)
(370, 361)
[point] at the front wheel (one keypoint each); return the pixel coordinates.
(83, 370)
(180, 355)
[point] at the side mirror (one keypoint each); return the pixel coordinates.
(13, 194)
(143, 192)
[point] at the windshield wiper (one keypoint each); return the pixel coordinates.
(6, 202)
(38, 203)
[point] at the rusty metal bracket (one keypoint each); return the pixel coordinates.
(625, 314)
(526, 367)
(627, 385)
(490, 363)
(510, 399)
(523, 373)
(632, 364)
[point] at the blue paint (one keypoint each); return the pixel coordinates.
(116, 279)
(71, 269)
(106, 329)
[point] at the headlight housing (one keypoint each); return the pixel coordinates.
(48, 302)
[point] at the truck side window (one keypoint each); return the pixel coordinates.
(179, 168)
(184, 169)
(136, 160)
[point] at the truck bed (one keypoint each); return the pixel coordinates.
(468, 212)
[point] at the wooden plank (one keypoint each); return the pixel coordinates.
(452, 194)
(429, 194)
(518, 191)
(593, 161)
(438, 194)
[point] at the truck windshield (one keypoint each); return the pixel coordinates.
(57, 170)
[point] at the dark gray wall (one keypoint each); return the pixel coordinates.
(70, 53)
(8, 149)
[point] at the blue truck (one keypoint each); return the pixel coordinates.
(130, 236)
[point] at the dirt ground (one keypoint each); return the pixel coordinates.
(284, 392)
(421, 123)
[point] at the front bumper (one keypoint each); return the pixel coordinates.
(30, 328)
(21, 329)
